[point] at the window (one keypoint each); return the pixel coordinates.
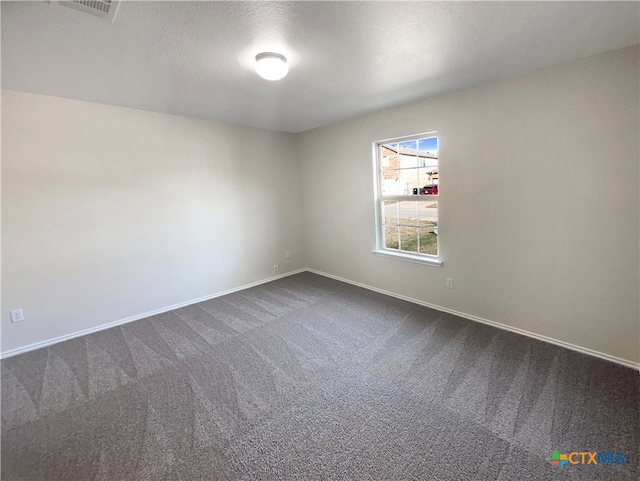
(407, 198)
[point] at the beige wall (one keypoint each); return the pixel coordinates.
(558, 258)
(109, 212)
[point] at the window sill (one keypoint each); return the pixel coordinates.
(430, 261)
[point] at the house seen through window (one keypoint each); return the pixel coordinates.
(408, 184)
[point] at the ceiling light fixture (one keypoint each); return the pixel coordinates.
(271, 66)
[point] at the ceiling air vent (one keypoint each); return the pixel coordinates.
(100, 8)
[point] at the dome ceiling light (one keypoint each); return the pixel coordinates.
(271, 66)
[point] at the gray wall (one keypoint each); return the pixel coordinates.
(110, 212)
(539, 202)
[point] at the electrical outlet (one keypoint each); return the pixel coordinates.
(275, 268)
(450, 282)
(287, 254)
(17, 315)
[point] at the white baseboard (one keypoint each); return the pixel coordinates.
(573, 347)
(38, 345)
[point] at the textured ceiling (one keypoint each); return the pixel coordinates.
(346, 58)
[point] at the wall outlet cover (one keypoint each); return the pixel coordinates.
(17, 315)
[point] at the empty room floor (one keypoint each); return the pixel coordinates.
(310, 378)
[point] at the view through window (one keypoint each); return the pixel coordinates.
(408, 187)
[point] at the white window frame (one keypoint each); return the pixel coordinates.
(381, 250)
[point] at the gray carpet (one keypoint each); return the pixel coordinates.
(309, 378)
